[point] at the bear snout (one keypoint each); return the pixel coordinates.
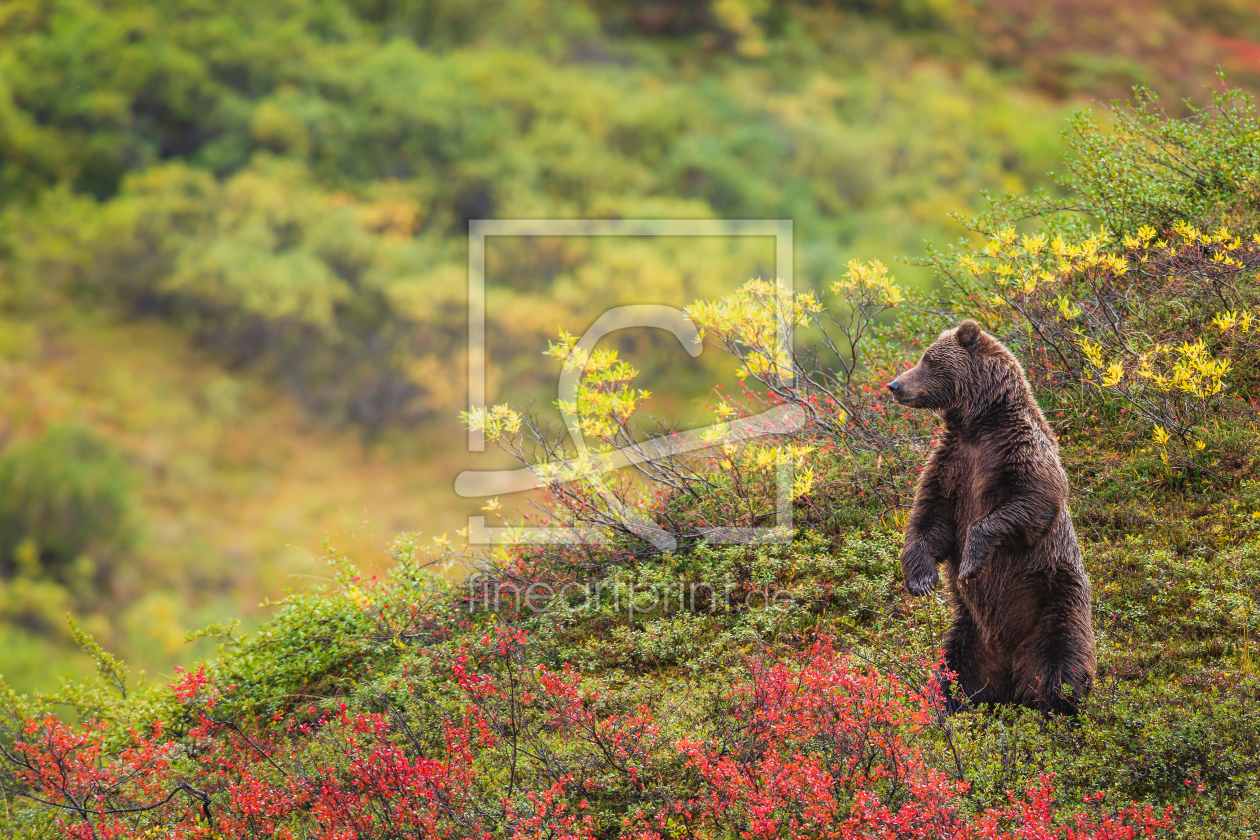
(900, 392)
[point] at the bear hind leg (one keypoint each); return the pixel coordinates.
(966, 656)
(1055, 681)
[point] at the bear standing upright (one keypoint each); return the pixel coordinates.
(992, 505)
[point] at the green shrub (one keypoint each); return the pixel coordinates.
(65, 506)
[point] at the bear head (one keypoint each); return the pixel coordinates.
(964, 372)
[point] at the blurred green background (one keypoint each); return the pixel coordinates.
(233, 253)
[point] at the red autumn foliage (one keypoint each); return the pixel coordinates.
(810, 746)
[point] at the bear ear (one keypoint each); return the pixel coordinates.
(968, 332)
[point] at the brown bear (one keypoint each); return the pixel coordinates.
(992, 505)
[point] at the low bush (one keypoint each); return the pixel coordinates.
(66, 502)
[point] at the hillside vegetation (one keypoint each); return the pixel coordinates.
(273, 197)
(790, 696)
(232, 263)
(232, 248)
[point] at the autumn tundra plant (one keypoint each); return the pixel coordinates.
(387, 708)
(1146, 315)
(1157, 324)
(850, 343)
(858, 337)
(680, 490)
(1154, 312)
(479, 736)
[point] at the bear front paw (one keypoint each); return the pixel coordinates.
(972, 561)
(918, 568)
(922, 584)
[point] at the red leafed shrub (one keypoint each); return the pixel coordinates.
(820, 742)
(806, 746)
(822, 748)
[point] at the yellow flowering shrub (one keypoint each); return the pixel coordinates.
(830, 355)
(730, 482)
(1162, 321)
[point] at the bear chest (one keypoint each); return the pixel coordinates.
(971, 481)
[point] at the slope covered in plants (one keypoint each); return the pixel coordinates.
(778, 688)
(233, 240)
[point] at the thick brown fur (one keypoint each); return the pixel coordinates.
(992, 506)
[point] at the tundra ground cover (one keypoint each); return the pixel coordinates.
(404, 707)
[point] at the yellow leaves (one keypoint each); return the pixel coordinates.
(1089, 249)
(601, 412)
(1197, 372)
(712, 434)
(1093, 352)
(1225, 321)
(1068, 310)
(586, 467)
(802, 483)
(1145, 234)
(604, 400)
(1161, 436)
(1241, 319)
(1111, 372)
(869, 282)
(1187, 232)
(759, 318)
(772, 364)
(495, 421)
(1026, 265)
(1117, 265)
(563, 349)
(761, 288)
(493, 505)
(1192, 370)
(764, 459)
(1033, 244)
